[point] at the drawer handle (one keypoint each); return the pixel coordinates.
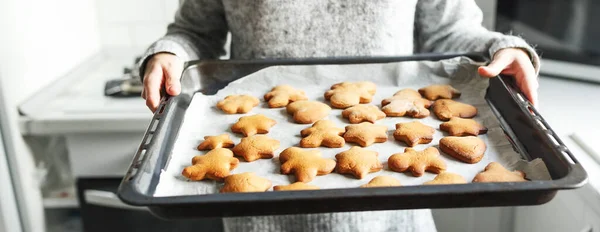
(108, 199)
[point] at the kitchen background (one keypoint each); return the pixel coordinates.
(57, 56)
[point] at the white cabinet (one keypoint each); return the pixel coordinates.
(494, 219)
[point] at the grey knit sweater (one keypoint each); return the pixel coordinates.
(319, 28)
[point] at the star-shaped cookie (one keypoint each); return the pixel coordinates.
(495, 172)
(445, 109)
(417, 162)
(463, 127)
(256, 147)
(238, 104)
(295, 186)
(406, 102)
(322, 133)
(282, 95)
(382, 181)
(413, 133)
(365, 134)
(434, 92)
(304, 164)
(217, 141)
(345, 94)
(447, 178)
(306, 112)
(254, 124)
(358, 162)
(363, 112)
(214, 165)
(245, 182)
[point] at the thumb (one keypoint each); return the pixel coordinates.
(498, 64)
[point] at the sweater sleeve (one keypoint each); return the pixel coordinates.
(198, 32)
(456, 26)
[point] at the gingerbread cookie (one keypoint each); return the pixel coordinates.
(406, 102)
(295, 186)
(254, 124)
(445, 109)
(414, 133)
(218, 141)
(238, 104)
(304, 164)
(282, 95)
(417, 162)
(245, 182)
(256, 147)
(495, 172)
(322, 133)
(382, 181)
(346, 94)
(363, 112)
(463, 127)
(447, 178)
(434, 92)
(306, 112)
(358, 162)
(468, 149)
(214, 165)
(365, 134)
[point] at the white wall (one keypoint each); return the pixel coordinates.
(40, 41)
(134, 23)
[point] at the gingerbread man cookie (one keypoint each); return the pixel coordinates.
(495, 172)
(345, 94)
(295, 186)
(306, 112)
(256, 147)
(365, 134)
(447, 178)
(304, 164)
(468, 149)
(382, 181)
(282, 95)
(358, 162)
(363, 112)
(462, 127)
(218, 141)
(406, 102)
(238, 104)
(414, 133)
(417, 162)
(214, 165)
(322, 133)
(434, 92)
(254, 124)
(245, 182)
(445, 109)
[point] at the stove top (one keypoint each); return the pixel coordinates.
(129, 85)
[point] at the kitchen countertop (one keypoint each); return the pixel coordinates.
(76, 104)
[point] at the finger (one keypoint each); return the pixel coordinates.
(528, 82)
(143, 94)
(152, 84)
(500, 62)
(172, 74)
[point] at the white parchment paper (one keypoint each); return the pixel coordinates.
(203, 118)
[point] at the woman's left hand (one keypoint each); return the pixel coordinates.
(514, 62)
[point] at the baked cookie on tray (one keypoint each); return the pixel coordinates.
(358, 161)
(447, 178)
(345, 94)
(495, 172)
(256, 147)
(282, 95)
(306, 112)
(363, 113)
(365, 134)
(463, 127)
(214, 165)
(434, 92)
(253, 124)
(322, 133)
(445, 109)
(417, 162)
(382, 181)
(245, 182)
(406, 102)
(238, 104)
(217, 141)
(469, 149)
(413, 133)
(305, 164)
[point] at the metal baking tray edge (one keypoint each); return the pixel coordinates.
(530, 135)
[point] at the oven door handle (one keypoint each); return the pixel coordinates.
(108, 199)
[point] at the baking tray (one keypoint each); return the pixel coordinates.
(524, 127)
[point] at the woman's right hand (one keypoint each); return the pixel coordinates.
(163, 69)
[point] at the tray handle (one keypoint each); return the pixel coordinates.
(139, 156)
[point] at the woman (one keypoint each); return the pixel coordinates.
(329, 28)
